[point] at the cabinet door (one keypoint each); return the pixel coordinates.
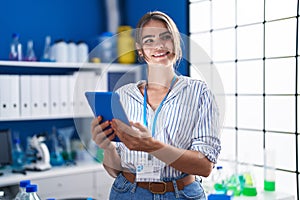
(103, 185)
(67, 186)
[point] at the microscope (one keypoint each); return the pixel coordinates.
(42, 155)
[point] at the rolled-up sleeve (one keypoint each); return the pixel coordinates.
(206, 133)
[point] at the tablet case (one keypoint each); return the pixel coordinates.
(107, 105)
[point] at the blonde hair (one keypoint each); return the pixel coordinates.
(171, 26)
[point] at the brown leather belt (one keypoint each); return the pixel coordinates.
(160, 187)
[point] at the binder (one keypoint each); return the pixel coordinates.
(63, 93)
(14, 93)
(25, 96)
(36, 102)
(101, 82)
(4, 96)
(54, 95)
(9, 96)
(71, 101)
(44, 95)
(87, 81)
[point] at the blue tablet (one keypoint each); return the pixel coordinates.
(107, 105)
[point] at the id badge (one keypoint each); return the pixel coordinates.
(149, 170)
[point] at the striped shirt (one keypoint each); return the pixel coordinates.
(188, 120)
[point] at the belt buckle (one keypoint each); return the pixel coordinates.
(158, 192)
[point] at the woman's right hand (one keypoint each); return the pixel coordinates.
(102, 136)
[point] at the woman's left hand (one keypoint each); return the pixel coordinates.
(136, 138)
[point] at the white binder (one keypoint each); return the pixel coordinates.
(54, 95)
(36, 102)
(63, 93)
(9, 96)
(25, 96)
(71, 101)
(44, 95)
(14, 102)
(86, 81)
(4, 96)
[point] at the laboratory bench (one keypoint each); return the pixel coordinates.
(76, 181)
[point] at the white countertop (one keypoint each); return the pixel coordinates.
(9, 178)
(267, 196)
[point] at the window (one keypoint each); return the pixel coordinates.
(254, 46)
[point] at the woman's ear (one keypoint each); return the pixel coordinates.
(139, 49)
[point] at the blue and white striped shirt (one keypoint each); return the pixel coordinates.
(188, 119)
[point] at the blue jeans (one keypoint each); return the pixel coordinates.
(122, 189)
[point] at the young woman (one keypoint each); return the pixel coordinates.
(174, 134)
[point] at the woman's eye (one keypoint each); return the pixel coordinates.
(166, 37)
(148, 41)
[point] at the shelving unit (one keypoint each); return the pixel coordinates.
(86, 65)
(54, 68)
(84, 179)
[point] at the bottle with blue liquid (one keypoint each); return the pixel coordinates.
(15, 48)
(18, 155)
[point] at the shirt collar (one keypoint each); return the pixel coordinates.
(135, 93)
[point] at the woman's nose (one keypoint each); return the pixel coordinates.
(158, 44)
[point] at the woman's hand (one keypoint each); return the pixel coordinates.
(137, 137)
(101, 134)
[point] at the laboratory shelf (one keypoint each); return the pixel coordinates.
(60, 65)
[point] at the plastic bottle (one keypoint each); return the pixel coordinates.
(126, 54)
(107, 47)
(15, 48)
(31, 191)
(47, 50)
(30, 55)
(82, 52)
(22, 190)
(72, 52)
(18, 155)
(219, 180)
(60, 51)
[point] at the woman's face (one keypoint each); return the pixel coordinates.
(157, 43)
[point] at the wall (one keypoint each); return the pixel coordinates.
(34, 19)
(177, 10)
(75, 20)
(71, 20)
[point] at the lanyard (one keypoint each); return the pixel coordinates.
(159, 107)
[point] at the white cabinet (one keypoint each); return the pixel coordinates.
(94, 183)
(80, 181)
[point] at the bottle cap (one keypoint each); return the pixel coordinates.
(15, 35)
(24, 183)
(106, 34)
(31, 188)
(124, 28)
(219, 167)
(16, 141)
